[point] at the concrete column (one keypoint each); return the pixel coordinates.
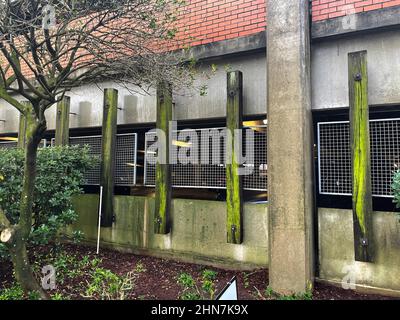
(289, 146)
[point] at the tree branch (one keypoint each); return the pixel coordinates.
(15, 103)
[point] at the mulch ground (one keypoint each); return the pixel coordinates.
(158, 281)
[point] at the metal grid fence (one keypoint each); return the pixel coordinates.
(125, 158)
(210, 171)
(92, 176)
(334, 156)
(258, 179)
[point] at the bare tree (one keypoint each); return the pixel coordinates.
(49, 47)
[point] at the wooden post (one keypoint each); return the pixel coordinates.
(62, 122)
(234, 199)
(21, 131)
(22, 127)
(360, 153)
(109, 135)
(163, 170)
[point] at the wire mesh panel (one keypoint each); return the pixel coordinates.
(207, 147)
(149, 178)
(385, 155)
(125, 160)
(209, 151)
(258, 179)
(334, 156)
(92, 176)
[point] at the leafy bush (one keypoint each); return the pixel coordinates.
(270, 294)
(60, 173)
(107, 285)
(396, 189)
(191, 290)
(13, 293)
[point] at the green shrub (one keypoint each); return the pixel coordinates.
(107, 285)
(396, 189)
(60, 173)
(13, 293)
(190, 289)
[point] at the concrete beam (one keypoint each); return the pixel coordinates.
(386, 18)
(254, 42)
(289, 147)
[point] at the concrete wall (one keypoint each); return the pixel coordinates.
(329, 85)
(198, 231)
(330, 75)
(337, 250)
(140, 107)
(198, 235)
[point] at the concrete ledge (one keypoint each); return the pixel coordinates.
(254, 42)
(387, 18)
(363, 288)
(364, 21)
(185, 257)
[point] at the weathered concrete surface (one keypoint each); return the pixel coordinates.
(199, 236)
(11, 117)
(289, 146)
(329, 69)
(361, 22)
(198, 230)
(139, 107)
(329, 82)
(193, 106)
(336, 249)
(253, 42)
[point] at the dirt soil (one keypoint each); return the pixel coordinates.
(158, 278)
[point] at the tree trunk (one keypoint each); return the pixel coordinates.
(17, 244)
(22, 268)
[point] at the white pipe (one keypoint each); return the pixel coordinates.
(99, 224)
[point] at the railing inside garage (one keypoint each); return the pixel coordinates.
(334, 156)
(14, 144)
(213, 174)
(8, 144)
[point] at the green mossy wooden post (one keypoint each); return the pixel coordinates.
(21, 131)
(22, 127)
(109, 135)
(360, 153)
(62, 122)
(234, 200)
(163, 170)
